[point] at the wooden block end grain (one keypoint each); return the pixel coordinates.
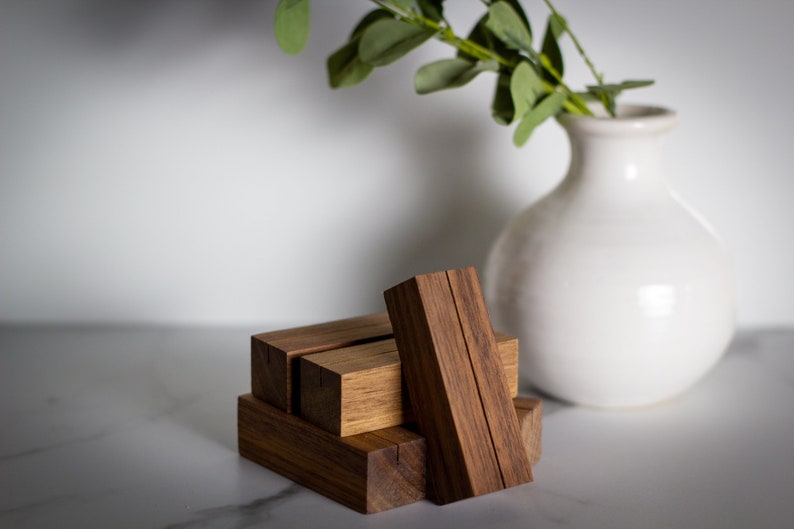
(274, 371)
(530, 417)
(354, 389)
(457, 385)
(369, 472)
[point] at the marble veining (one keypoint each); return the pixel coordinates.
(249, 514)
(54, 446)
(136, 427)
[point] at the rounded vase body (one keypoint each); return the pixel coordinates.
(620, 295)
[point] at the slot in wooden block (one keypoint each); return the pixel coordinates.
(360, 388)
(370, 472)
(274, 372)
(457, 385)
(530, 418)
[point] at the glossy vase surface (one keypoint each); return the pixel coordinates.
(619, 293)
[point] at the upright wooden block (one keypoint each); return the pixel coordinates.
(274, 371)
(457, 386)
(360, 388)
(530, 417)
(370, 472)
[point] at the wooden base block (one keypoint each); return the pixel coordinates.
(274, 371)
(530, 417)
(369, 472)
(457, 385)
(360, 388)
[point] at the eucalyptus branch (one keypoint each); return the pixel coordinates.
(530, 86)
(574, 102)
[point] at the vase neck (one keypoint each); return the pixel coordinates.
(620, 155)
(616, 161)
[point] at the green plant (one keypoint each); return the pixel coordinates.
(529, 80)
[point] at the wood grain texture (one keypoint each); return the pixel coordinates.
(457, 385)
(370, 472)
(274, 371)
(530, 418)
(360, 388)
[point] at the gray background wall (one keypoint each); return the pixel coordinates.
(163, 162)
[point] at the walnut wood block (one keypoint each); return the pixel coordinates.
(370, 472)
(274, 371)
(530, 417)
(360, 388)
(457, 385)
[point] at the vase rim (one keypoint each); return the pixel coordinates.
(631, 119)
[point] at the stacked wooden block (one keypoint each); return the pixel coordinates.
(383, 410)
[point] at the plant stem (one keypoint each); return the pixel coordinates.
(573, 98)
(599, 77)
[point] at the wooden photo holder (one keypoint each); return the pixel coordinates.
(274, 371)
(369, 472)
(360, 388)
(457, 385)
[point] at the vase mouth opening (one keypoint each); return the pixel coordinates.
(630, 111)
(630, 119)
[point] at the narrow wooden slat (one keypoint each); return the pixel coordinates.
(274, 371)
(457, 386)
(530, 417)
(494, 392)
(360, 388)
(369, 472)
(441, 384)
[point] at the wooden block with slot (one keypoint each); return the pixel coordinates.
(274, 371)
(370, 472)
(530, 417)
(457, 385)
(360, 388)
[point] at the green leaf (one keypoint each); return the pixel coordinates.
(525, 87)
(551, 48)
(508, 26)
(502, 108)
(519, 9)
(482, 36)
(432, 9)
(629, 85)
(345, 67)
(405, 5)
(449, 73)
(549, 106)
(291, 25)
(615, 89)
(608, 93)
(369, 19)
(387, 40)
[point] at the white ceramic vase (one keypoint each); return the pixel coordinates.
(619, 293)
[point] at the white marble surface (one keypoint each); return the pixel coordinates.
(116, 428)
